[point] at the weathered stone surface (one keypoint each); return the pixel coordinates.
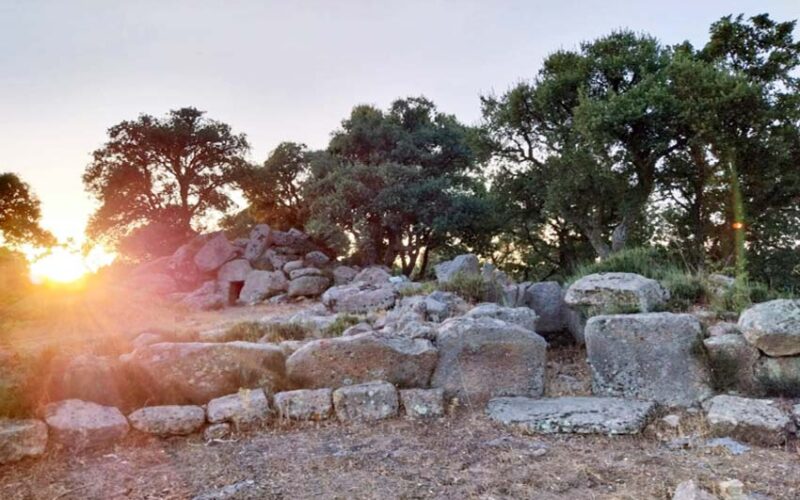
(343, 275)
(366, 402)
(466, 264)
(214, 253)
(374, 275)
(778, 376)
(146, 339)
(217, 431)
(689, 490)
(360, 298)
(423, 403)
(244, 408)
(723, 328)
(196, 372)
(261, 285)
(773, 327)
(651, 356)
(99, 379)
(482, 358)
(360, 358)
(208, 297)
(21, 438)
(316, 259)
(258, 242)
(292, 266)
(749, 420)
(520, 316)
(547, 300)
(304, 271)
(305, 404)
(308, 286)
(732, 360)
(615, 293)
(235, 270)
(171, 420)
(79, 424)
(578, 415)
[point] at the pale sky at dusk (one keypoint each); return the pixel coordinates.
(277, 70)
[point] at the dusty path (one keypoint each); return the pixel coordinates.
(464, 456)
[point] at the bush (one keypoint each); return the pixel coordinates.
(342, 323)
(253, 331)
(426, 288)
(473, 288)
(685, 290)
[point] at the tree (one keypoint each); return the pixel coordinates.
(171, 172)
(20, 213)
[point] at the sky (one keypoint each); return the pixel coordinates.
(277, 71)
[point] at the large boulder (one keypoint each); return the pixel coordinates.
(308, 285)
(753, 420)
(235, 270)
(305, 404)
(368, 402)
(778, 376)
(374, 275)
(615, 293)
(196, 372)
(21, 438)
(208, 297)
(260, 285)
(520, 316)
(578, 415)
(168, 420)
(316, 259)
(360, 358)
(217, 251)
(258, 242)
(360, 298)
(650, 356)
(732, 361)
(482, 358)
(773, 327)
(547, 300)
(99, 379)
(343, 275)
(80, 425)
(464, 265)
(244, 408)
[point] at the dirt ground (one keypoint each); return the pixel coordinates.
(463, 456)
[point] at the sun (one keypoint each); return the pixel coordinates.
(63, 265)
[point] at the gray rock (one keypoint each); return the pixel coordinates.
(357, 329)
(21, 438)
(778, 376)
(99, 379)
(281, 298)
(689, 490)
(168, 420)
(482, 358)
(547, 300)
(466, 264)
(308, 286)
(316, 259)
(196, 372)
(361, 358)
(578, 415)
(723, 328)
(423, 403)
(615, 293)
(210, 296)
(238, 489)
(731, 445)
(374, 275)
(146, 339)
(259, 241)
(244, 408)
(439, 306)
(293, 266)
(366, 402)
(359, 298)
(214, 253)
(305, 404)
(749, 420)
(732, 360)
(651, 356)
(217, 431)
(80, 425)
(235, 270)
(304, 271)
(520, 316)
(773, 327)
(261, 285)
(343, 275)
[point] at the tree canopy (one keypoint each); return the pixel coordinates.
(20, 213)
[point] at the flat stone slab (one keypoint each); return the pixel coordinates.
(171, 420)
(366, 402)
(423, 403)
(21, 438)
(751, 420)
(305, 404)
(572, 415)
(80, 424)
(244, 408)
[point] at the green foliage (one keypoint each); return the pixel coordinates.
(473, 288)
(20, 213)
(426, 288)
(253, 331)
(170, 171)
(342, 323)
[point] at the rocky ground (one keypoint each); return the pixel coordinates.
(464, 456)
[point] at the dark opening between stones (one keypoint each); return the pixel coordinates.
(234, 289)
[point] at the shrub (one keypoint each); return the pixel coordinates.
(473, 288)
(253, 331)
(342, 323)
(426, 288)
(685, 290)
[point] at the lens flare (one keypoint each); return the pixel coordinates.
(62, 265)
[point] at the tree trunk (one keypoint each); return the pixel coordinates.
(620, 235)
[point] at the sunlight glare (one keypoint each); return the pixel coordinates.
(62, 265)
